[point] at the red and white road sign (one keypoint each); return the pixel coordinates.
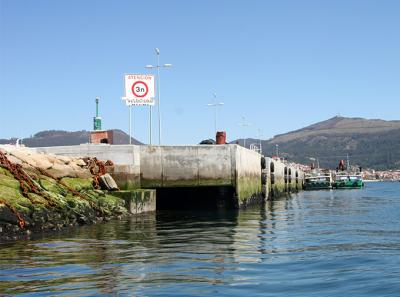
(139, 89)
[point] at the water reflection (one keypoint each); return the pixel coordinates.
(315, 243)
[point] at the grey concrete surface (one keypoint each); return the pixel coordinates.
(153, 167)
(186, 166)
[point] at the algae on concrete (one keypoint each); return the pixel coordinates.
(55, 206)
(248, 188)
(138, 201)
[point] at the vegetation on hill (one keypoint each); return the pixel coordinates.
(59, 138)
(369, 143)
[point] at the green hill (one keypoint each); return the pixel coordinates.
(369, 143)
(59, 138)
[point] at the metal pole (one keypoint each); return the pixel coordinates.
(159, 98)
(244, 124)
(158, 92)
(130, 124)
(215, 120)
(215, 114)
(150, 125)
(244, 134)
(215, 106)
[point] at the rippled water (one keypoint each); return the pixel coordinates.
(325, 243)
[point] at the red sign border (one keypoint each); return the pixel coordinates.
(133, 87)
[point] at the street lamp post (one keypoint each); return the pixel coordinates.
(130, 123)
(129, 104)
(243, 123)
(215, 105)
(259, 137)
(277, 150)
(158, 66)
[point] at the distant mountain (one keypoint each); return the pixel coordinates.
(59, 138)
(369, 143)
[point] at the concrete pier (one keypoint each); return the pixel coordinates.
(202, 166)
(282, 179)
(251, 176)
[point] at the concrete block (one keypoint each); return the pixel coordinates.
(138, 201)
(180, 166)
(108, 183)
(151, 170)
(185, 166)
(214, 165)
(127, 177)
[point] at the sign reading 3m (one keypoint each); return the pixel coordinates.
(139, 89)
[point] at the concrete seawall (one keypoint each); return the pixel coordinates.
(282, 179)
(247, 175)
(196, 166)
(202, 166)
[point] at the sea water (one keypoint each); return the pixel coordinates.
(322, 243)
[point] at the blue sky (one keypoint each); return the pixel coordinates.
(282, 64)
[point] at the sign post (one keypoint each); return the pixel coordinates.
(139, 91)
(130, 124)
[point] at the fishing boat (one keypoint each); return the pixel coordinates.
(346, 178)
(318, 180)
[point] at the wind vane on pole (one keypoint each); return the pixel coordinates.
(215, 105)
(244, 123)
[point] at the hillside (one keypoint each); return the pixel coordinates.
(59, 138)
(369, 143)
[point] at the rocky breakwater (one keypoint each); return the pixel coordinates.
(41, 192)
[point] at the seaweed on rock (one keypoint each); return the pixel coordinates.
(31, 198)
